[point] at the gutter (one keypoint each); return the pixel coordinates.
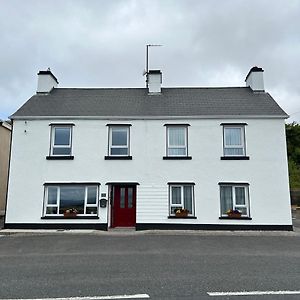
(285, 116)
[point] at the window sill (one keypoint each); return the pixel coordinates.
(77, 217)
(187, 217)
(177, 157)
(117, 157)
(238, 218)
(60, 157)
(235, 157)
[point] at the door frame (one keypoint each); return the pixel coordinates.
(111, 197)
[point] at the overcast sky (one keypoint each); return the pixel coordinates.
(102, 44)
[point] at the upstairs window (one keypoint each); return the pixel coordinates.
(234, 197)
(181, 197)
(119, 140)
(234, 140)
(177, 141)
(61, 140)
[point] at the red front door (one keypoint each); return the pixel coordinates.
(123, 208)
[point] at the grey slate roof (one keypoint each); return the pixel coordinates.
(125, 102)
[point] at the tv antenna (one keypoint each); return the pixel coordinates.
(147, 60)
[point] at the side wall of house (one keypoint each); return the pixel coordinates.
(4, 159)
(266, 170)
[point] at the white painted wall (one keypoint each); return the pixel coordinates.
(256, 81)
(266, 171)
(45, 83)
(154, 82)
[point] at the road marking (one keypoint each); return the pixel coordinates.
(136, 296)
(252, 293)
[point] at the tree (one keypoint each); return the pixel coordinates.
(293, 152)
(294, 175)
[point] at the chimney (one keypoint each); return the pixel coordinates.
(255, 79)
(46, 81)
(154, 80)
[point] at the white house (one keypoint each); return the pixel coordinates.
(133, 156)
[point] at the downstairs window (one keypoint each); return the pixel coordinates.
(234, 197)
(181, 197)
(60, 198)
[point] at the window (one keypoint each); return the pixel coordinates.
(234, 140)
(234, 197)
(59, 198)
(119, 141)
(177, 140)
(181, 196)
(61, 140)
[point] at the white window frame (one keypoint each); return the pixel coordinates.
(234, 205)
(111, 128)
(185, 146)
(57, 205)
(53, 127)
(181, 205)
(242, 146)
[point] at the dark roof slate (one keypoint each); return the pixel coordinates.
(125, 102)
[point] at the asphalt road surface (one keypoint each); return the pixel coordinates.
(161, 266)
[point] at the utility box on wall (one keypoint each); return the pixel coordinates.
(103, 203)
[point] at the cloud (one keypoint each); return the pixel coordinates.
(102, 44)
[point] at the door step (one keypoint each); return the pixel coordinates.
(122, 229)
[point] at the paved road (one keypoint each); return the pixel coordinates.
(162, 266)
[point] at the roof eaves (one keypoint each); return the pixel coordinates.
(283, 116)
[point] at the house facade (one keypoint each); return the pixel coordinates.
(149, 158)
(5, 131)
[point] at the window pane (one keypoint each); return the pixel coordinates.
(119, 151)
(62, 136)
(119, 137)
(61, 151)
(52, 195)
(226, 198)
(176, 195)
(177, 151)
(240, 195)
(51, 210)
(174, 208)
(233, 151)
(72, 197)
(92, 195)
(233, 136)
(130, 197)
(243, 210)
(188, 198)
(91, 210)
(122, 197)
(177, 136)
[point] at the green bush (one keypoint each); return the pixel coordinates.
(293, 152)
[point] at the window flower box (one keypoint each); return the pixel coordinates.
(71, 213)
(181, 212)
(234, 214)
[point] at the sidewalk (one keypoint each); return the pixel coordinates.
(132, 232)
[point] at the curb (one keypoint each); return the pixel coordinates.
(120, 233)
